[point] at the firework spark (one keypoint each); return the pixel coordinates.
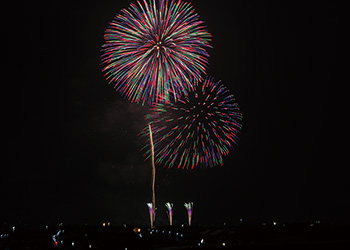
(152, 51)
(189, 207)
(169, 206)
(197, 131)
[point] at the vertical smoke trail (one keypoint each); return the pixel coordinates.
(153, 175)
(169, 206)
(189, 207)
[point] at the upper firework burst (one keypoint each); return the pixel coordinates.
(152, 51)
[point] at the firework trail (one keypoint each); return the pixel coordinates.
(151, 213)
(197, 131)
(169, 206)
(154, 50)
(153, 173)
(189, 207)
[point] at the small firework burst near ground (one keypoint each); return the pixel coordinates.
(154, 50)
(169, 207)
(152, 213)
(196, 131)
(189, 208)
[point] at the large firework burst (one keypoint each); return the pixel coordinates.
(153, 51)
(197, 130)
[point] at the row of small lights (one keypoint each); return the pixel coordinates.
(138, 230)
(275, 223)
(202, 242)
(4, 236)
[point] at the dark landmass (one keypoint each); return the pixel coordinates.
(266, 236)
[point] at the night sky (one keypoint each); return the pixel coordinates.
(72, 149)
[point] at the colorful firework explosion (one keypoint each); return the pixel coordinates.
(196, 131)
(151, 50)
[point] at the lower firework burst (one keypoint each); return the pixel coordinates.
(196, 131)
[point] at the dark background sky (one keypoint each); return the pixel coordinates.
(72, 150)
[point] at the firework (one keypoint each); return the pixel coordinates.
(154, 50)
(151, 213)
(169, 206)
(196, 131)
(153, 173)
(189, 207)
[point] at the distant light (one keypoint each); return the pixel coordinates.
(223, 244)
(73, 243)
(46, 227)
(13, 228)
(264, 224)
(202, 241)
(181, 235)
(312, 224)
(274, 223)
(103, 224)
(140, 235)
(90, 246)
(241, 220)
(109, 224)
(62, 242)
(317, 222)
